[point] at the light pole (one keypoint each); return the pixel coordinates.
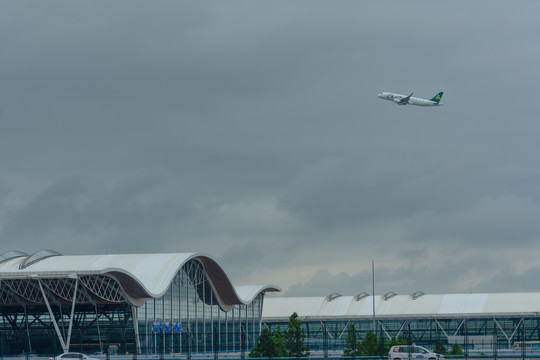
(373, 291)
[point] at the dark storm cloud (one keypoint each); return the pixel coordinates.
(252, 132)
(88, 216)
(456, 277)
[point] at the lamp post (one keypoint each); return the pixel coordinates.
(373, 291)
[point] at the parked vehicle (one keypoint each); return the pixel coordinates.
(73, 356)
(405, 352)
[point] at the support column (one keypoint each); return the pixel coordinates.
(27, 329)
(515, 330)
(440, 327)
(72, 313)
(53, 319)
(98, 329)
(135, 316)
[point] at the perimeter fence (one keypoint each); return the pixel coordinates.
(508, 354)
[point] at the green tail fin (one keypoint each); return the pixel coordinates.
(437, 97)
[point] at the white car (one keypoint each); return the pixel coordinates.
(73, 356)
(406, 352)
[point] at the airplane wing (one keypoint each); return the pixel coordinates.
(405, 100)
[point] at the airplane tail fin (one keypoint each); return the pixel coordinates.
(437, 97)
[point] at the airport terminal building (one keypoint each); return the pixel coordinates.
(184, 303)
(147, 303)
(473, 321)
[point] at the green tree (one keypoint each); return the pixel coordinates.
(295, 335)
(439, 348)
(351, 343)
(369, 346)
(269, 345)
(408, 340)
(402, 341)
(264, 346)
(279, 343)
(395, 341)
(384, 347)
(456, 350)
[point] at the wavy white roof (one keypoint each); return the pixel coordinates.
(403, 306)
(141, 275)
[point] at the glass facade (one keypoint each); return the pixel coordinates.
(186, 319)
(470, 333)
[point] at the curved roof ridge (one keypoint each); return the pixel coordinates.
(226, 294)
(142, 276)
(223, 288)
(170, 264)
(248, 293)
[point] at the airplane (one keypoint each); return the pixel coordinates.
(408, 100)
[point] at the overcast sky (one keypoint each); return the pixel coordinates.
(251, 131)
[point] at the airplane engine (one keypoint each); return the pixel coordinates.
(398, 101)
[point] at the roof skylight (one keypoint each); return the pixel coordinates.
(12, 254)
(40, 255)
(333, 296)
(360, 296)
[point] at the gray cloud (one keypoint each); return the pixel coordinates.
(252, 132)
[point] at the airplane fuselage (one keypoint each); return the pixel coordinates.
(396, 98)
